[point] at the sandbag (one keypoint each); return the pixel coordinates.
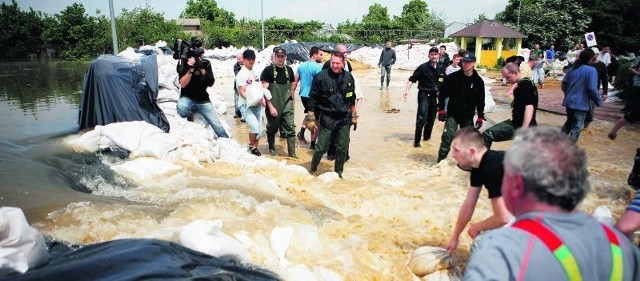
(254, 93)
(21, 246)
(427, 260)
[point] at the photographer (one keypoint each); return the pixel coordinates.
(195, 77)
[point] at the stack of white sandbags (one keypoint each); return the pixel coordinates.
(407, 56)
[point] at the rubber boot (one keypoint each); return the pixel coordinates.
(417, 137)
(271, 139)
(634, 176)
(291, 147)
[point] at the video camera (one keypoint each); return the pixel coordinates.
(184, 50)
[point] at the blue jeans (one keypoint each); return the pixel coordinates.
(538, 76)
(574, 123)
(186, 107)
(253, 117)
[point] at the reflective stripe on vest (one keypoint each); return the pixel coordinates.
(563, 253)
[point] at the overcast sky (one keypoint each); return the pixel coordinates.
(329, 11)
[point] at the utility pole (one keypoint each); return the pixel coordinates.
(114, 35)
(519, 6)
(262, 21)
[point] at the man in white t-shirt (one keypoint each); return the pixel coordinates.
(245, 78)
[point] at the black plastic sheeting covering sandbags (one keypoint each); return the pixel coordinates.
(118, 90)
(141, 259)
(300, 51)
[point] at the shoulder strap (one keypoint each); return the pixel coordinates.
(555, 245)
(563, 253)
(286, 72)
(616, 254)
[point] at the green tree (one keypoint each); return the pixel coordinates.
(377, 18)
(415, 15)
(510, 12)
(208, 9)
(558, 22)
(76, 35)
(615, 24)
(481, 17)
(21, 32)
(145, 26)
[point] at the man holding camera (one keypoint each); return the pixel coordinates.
(195, 75)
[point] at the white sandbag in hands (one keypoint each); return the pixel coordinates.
(433, 263)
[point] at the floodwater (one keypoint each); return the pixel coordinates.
(393, 199)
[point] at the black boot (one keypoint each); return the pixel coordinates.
(271, 139)
(417, 136)
(291, 147)
(427, 134)
(634, 176)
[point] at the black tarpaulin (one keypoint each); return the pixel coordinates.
(300, 51)
(118, 90)
(141, 259)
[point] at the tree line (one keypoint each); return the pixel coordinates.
(563, 23)
(74, 35)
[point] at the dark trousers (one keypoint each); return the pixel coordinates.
(574, 123)
(341, 138)
(385, 71)
(589, 117)
(426, 115)
(451, 126)
(502, 131)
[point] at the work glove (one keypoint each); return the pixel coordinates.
(479, 122)
(354, 122)
(310, 122)
(442, 115)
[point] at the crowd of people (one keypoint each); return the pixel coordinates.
(536, 184)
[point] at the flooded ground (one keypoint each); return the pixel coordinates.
(393, 199)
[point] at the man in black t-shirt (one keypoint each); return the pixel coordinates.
(524, 107)
(470, 152)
